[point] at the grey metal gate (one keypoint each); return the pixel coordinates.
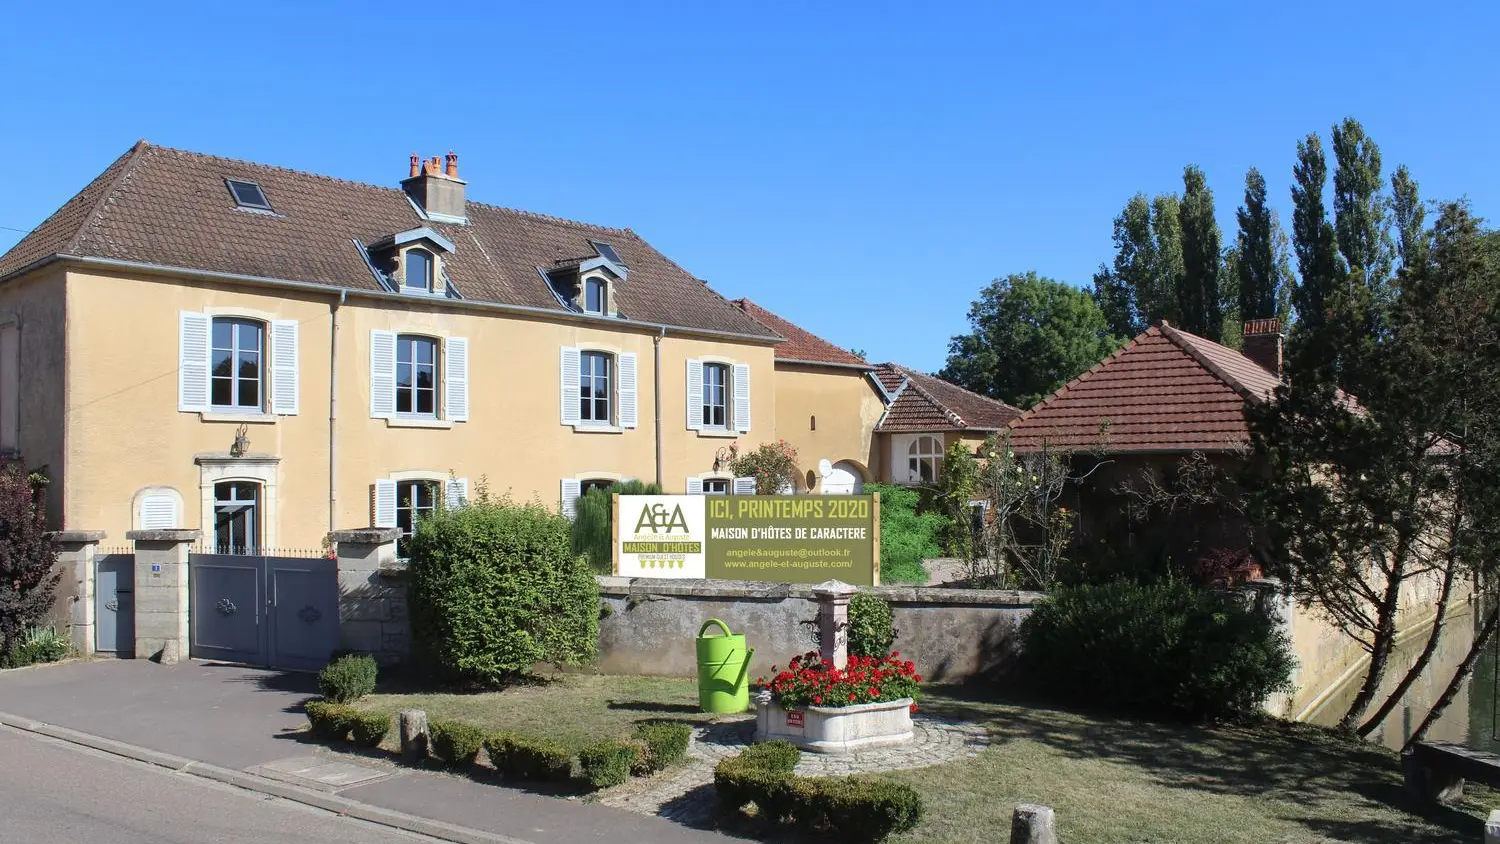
(281, 612)
(114, 605)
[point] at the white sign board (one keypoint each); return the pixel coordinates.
(659, 536)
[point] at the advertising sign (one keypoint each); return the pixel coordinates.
(773, 538)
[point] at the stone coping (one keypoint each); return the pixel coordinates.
(366, 536)
(748, 589)
(164, 535)
(65, 537)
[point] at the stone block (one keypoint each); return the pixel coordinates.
(413, 727)
(361, 636)
(160, 600)
(1033, 824)
(395, 642)
(360, 583)
(363, 609)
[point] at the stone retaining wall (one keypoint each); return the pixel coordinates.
(952, 634)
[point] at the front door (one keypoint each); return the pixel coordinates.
(114, 605)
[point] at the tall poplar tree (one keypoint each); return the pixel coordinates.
(1258, 266)
(1161, 301)
(1313, 237)
(1201, 309)
(1359, 218)
(1122, 290)
(1406, 208)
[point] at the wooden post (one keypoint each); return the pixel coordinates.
(877, 539)
(614, 534)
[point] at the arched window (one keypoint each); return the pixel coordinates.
(418, 274)
(237, 521)
(238, 363)
(416, 375)
(595, 293)
(924, 459)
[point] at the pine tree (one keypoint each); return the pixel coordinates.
(1201, 309)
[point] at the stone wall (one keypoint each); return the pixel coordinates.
(372, 594)
(952, 634)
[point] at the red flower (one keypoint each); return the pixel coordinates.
(874, 691)
(917, 677)
(895, 654)
(913, 707)
(819, 699)
(851, 696)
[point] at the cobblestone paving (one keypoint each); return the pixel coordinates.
(685, 794)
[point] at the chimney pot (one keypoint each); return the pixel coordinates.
(451, 171)
(415, 167)
(435, 191)
(1262, 343)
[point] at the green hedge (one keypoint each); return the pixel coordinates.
(666, 744)
(455, 742)
(529, 757)
(607, 763)
(348, 678)
(1166, 649)
(495, 588)
(329, 720)
(907, 536)
(369, 729)
(853, 808)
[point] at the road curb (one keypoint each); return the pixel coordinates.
(264, 785)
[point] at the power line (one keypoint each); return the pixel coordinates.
(13, 229)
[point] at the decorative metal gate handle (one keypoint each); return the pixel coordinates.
(226, 607)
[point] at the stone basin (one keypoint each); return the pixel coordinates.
(834, 729)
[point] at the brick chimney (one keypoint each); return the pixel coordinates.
(1262, 344)
(435, 186)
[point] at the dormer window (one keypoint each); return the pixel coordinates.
(595, 295)
(417, 275)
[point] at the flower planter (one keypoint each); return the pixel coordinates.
(834, 729)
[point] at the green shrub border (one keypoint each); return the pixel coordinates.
(666, 744)
(455, 742)
(528, 757)
(607, 763)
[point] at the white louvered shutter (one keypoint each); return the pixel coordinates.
(694, 486)
(744, 486)
(456, 379)
(284, 367)
(569, 386)
(455, 493)
(694, 394)
(192, 361)
(627, 391)
(383, 503)
(742, 398)
(383, 378)
(570, 490)
(158, 512)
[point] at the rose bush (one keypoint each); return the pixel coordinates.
(812, 681)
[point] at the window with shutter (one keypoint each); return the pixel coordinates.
(694, 486)
(571, 489)
(383, 503)
(382, 375)
(284, 386)
(192, 362)
(569, 385)
(741, 389)
(627, 391)
(456, 379)
(694, 394)
(456, 493)
(744, 486)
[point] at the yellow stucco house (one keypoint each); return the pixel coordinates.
(267, 355)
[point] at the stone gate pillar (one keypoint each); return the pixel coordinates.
(372, 594)
(833, 621)
(74, 604)
(161, 593)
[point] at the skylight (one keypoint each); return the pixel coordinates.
(607, 252)
(248, 195)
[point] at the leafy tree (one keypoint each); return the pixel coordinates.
(28, 560)
(1262, 270)
(1166, 227)
(1362, 499)
(772, 465)
(1359, 209)
(1312, 235)
(1406, 208)
(1030, 335)
(958, 484)
(1201, 310)
(1131, 286)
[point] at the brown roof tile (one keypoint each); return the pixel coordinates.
(926, 403)
(169, 207)
(801, 345)
(1166, 390)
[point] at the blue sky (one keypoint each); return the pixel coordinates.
(862, 169)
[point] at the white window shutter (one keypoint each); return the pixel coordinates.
(192, 361)
(571, 360)
(455, 493)
(694, 394)
(627, 390)
(741, 389)
(694, 486)
(158, 512)
(284, 367)
(456, 378)
(744, 486)
(383, 503)
(570, 492)
(383, 380)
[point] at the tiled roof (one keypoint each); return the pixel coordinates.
(168, 207)
(800, 345)
(1166, 390)
(926, 403)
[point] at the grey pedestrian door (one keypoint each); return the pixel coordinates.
(114, 605)
(281, 612)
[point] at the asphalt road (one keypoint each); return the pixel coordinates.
(54, 793)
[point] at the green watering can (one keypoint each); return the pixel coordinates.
(723, 670)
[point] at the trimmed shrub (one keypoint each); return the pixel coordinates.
(666, 743)
(872, 626)
(455, 742)
(592, 517)
(348, 678)
(36, 644)
(329, 720)
(607, 763)
(1165, 649)
(529, 757)
(495, 588)
(28, 560)
(368, 729)
(907, 536)
(853, 808)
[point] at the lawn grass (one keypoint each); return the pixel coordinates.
(576, 709)
(1116, 781)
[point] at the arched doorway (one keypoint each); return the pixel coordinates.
(843, 478)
